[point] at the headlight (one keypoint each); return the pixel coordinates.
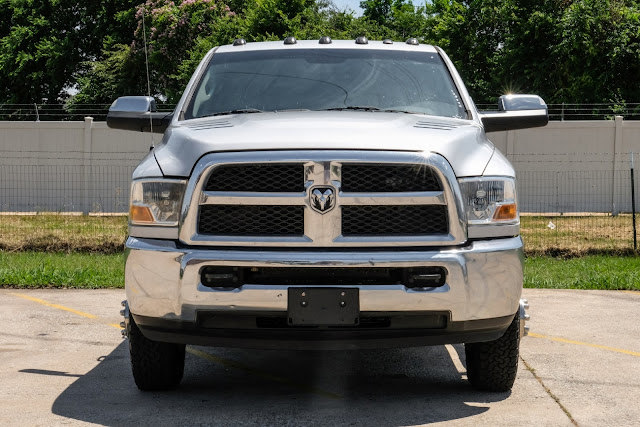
(156, 202)
(490, 200)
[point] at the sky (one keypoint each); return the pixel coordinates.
(355, 4)
(351, 4)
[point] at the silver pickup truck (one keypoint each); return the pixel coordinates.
(324, 195)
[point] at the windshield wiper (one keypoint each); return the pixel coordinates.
(290, 110)
(238, 111)
(391, 110)
(368, 108)
(352, 107)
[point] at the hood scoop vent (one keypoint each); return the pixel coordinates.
(213, 124)
(428, 124)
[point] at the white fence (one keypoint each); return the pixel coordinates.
(67, 166)
(573, 166)
(578, 166)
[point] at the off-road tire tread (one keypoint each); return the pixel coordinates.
(493, 365)
(155, 365)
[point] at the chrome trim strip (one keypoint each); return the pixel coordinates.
(323, 168)
(493, 230)
(388, 199)
(428, 240)
(153, 232)
(251, 199)
(314, 258)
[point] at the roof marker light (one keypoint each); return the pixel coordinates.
(325, 40)
(290, 40)
(362, 40)
(239, 42)
(413, 41)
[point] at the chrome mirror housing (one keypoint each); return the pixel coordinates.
(516, 112)
(137, 113)
(134, 104)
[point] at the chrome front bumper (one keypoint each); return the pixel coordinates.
(484, 279)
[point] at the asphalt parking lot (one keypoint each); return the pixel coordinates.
(62, 361)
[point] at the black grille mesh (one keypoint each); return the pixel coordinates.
(239, 220)
(261, 178)
(367, 178)
(394, 220)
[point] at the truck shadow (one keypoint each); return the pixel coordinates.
(230, 387)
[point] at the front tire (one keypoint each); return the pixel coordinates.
(155, 365)
(493, 365)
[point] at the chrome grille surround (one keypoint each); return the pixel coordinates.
(323, 168)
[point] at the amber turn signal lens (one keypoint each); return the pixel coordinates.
(140, 214)
(506, 212)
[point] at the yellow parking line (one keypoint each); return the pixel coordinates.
(59, 307)
(586, 344)
(453, 354)
(632, 292)
(217, 359)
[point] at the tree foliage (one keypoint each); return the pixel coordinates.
(43, 44)
(576, 51)
(582, 51)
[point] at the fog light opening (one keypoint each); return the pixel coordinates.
(221, 277)
(426, 277)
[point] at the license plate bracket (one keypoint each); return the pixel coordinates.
(323, 306)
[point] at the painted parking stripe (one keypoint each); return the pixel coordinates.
(201, 354)
(586, 344)
(453, 353)
(61, 307)
(632, 292)
(52, 305)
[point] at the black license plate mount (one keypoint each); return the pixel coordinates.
(323, 306)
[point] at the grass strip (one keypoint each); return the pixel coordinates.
(587, 272)
(61, 270)
(88, 270)
(552, 235)
(63, 233)
(577, 235)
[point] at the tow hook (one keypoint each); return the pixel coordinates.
(522, 312)
(125, 324)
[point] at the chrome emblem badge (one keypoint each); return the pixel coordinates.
(323, 199)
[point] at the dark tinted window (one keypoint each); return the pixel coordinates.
(319, 79)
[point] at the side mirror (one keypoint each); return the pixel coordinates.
(137, 113)
(516, 112)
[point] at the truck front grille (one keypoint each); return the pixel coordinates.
(366, 178)
(394, 220)
(323, 199)
(241, 220)
(257, 178)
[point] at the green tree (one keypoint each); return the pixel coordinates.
(118, 74)
(400, 18)
(600, 41)
(180, 33)
(171, 30)
(473, 32)
(276, 19)
(43, 43)
(567, 51)
(378, 11)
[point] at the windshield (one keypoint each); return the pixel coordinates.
(326, 79)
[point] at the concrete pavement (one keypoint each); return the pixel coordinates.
(62, 361)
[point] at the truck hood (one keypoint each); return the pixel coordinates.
(462, 142)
